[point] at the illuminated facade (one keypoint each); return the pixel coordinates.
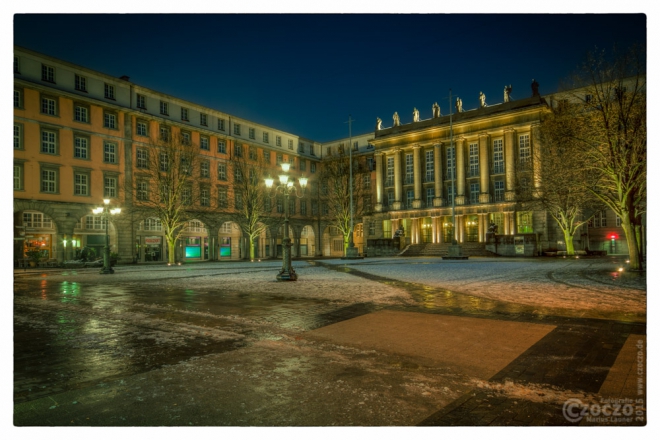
(81, 136)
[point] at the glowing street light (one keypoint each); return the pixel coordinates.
(105, 212)
(287, 188)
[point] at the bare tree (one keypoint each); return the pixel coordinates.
(336, 192)
(607, 103)
(252, 204)
(164, 185)
(563, 178)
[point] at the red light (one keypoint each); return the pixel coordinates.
(614, 236)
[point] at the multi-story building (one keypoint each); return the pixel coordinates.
(81, 136)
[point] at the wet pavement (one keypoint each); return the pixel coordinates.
(76, 336)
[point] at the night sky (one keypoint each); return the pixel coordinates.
(306, 73)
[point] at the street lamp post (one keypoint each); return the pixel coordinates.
(105, 213)
(287, 188)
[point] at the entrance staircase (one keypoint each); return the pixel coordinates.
(470, 249)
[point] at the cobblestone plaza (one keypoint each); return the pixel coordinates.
(390, 341)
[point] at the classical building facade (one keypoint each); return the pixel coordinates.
(417, 167)
(81, 136)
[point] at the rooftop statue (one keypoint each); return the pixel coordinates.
(507, 93)
(459, 105)
(395, 117)
(378, 124)
(535, 88)
(436, 110)
(415, 115)
(482, 100)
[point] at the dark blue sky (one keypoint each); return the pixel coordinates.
(306, 73)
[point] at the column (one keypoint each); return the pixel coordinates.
(536, 154)
(458, 229)
(57, 247)
(437, 175)
(484, 169)
(482, 227)
(509, 164)
(506, 223)
(379, 182)
(417, 170)
(213, 242)
(441, 230)
(398, 184)
(434, 229)
(460, 171)
(514, 229)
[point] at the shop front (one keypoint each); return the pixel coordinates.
(153, 248)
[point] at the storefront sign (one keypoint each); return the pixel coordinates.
(152, 240)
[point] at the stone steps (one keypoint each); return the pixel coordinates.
(442, 250)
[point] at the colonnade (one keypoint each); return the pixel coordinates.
(484, 143)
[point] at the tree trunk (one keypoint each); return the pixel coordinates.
(171, 247)
(251, 249)
(568, 239)
(346, 241)
(640, 242)
(633, 250)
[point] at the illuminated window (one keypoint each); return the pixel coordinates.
(109, 152)
(80, 147)
(204, 143)
(81, 113)
(498, 156)
(141, 102)
(430, 194)
(222, 199)
(524, 222)
(524, 151)
(109, 91)
(142, 190)
(142, 128)
(474, 193)
(48, 142)
(49, 180)
(429, 166)
(80, 83)
(81, 184)
(110, 187)
(18, 136)
(222, 171)
(205, 168)
(389, 175)
(142, 158)
(410, 170)
(49, 106)
(499, 190)
(451, 162)
(109, 120)
(47, 73)
(474, 160)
